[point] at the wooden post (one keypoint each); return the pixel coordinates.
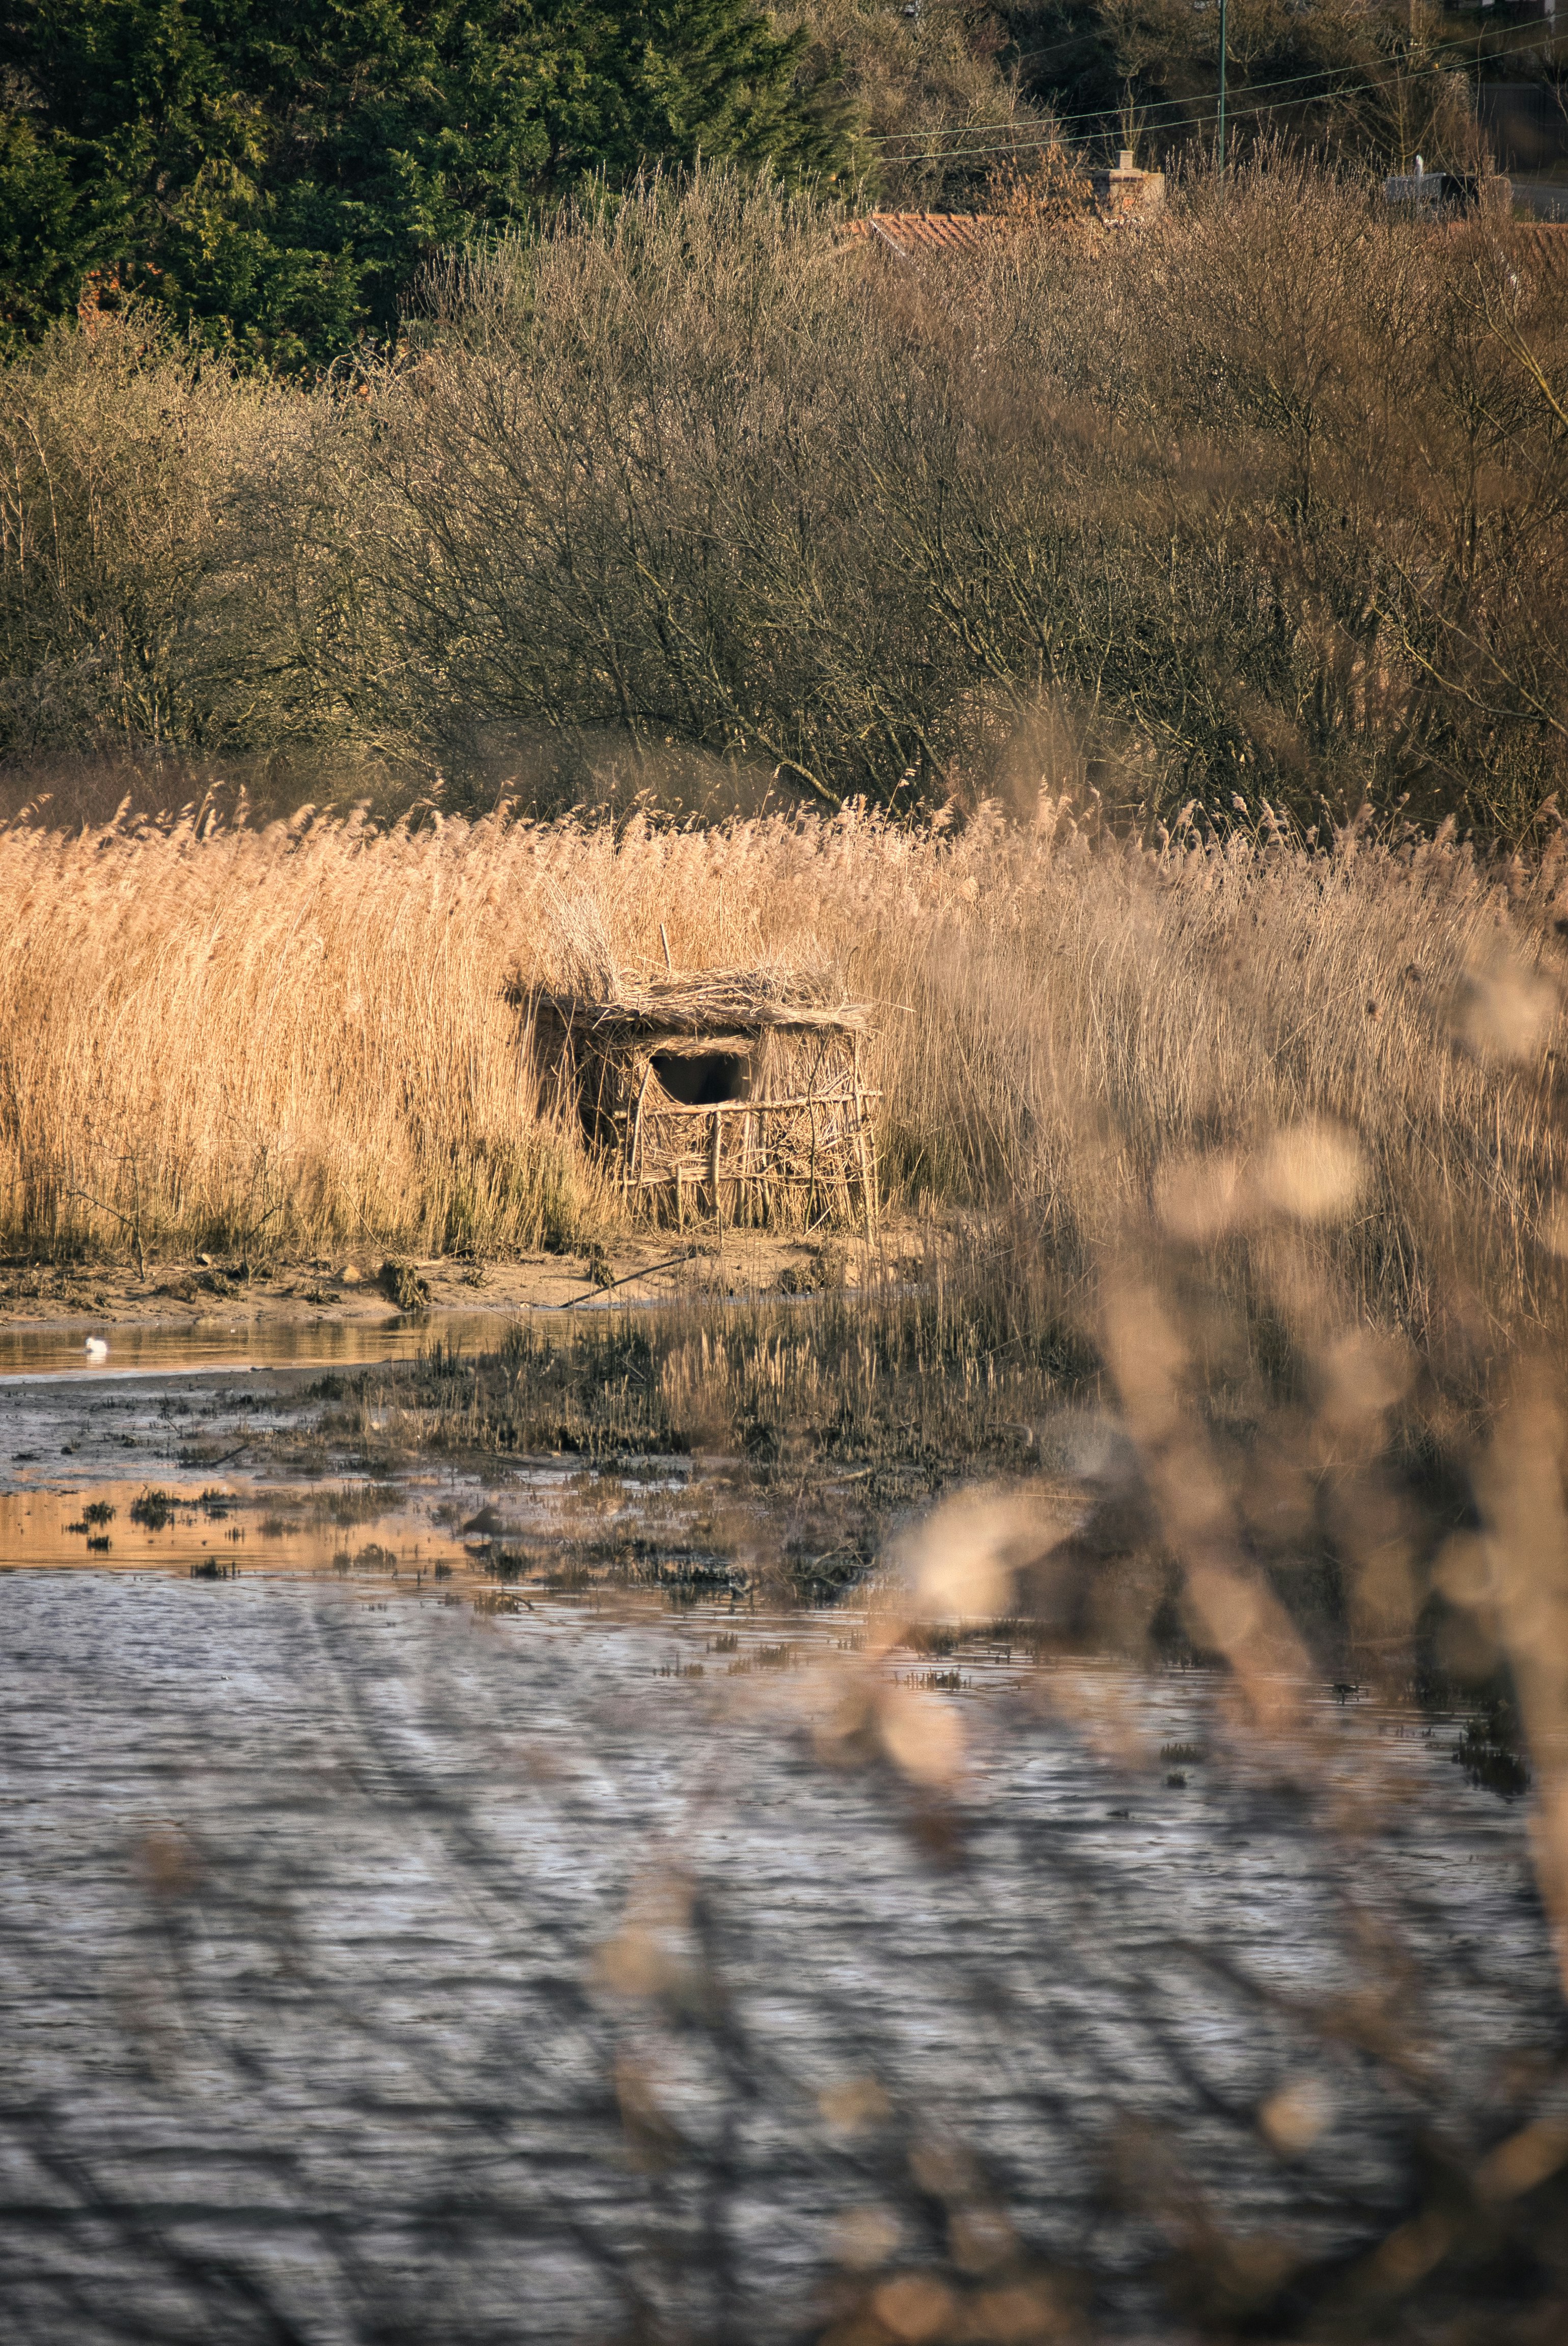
(715, 1154)
(635, 1156)
(811, 1172)
(863, 1147)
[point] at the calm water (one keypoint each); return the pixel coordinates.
(234, 1343)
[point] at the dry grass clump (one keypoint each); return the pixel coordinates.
(711, 999)
(1270, 1052)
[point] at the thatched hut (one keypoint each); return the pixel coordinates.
(737, 1095)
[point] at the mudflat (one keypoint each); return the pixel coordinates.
(360, 1288)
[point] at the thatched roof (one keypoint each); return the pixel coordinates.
(709, 1002)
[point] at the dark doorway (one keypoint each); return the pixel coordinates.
(701, 1079)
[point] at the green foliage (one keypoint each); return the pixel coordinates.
(276, 174)
(48, 234)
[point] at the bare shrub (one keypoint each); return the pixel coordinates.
(691, 494)
(1240, 496)
(121, 570)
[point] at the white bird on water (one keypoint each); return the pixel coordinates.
(95, 1348)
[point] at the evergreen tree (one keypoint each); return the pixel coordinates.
(277, 171)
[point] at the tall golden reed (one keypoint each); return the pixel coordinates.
(301, 1035)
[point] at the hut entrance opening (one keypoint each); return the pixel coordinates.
(702, 1078)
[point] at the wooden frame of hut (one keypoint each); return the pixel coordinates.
(729, 1094)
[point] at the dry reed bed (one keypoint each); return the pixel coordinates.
(301, 1035)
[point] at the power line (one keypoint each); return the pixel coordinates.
(1203, 107)
(1033, 56)
(1111, 113)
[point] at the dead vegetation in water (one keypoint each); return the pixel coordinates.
(937, 1435)
(891, 1374)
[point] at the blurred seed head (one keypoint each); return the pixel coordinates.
(1409, 2254)
(982, 2240)
(648, 1956)
(638, 1962)
(854, 2105)
(170, 1866)
(921, 1734)
(1314, 1172)
(962, 1558)
(1199, 1198)
(1293, 2117)
(1505, 1012)
(1020, 2314)
(1091, 1445)
(846, 1738)
(1525, 2159)
(916, 2309)
(1552, 1228)
(944, 2170)
(652, 2138)
(1463, 1571)
(864, 2237)
(1362, 1375)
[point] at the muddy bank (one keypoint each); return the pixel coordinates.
(308, 1468)
(365, 1288)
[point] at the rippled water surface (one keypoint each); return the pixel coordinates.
(391, 1952)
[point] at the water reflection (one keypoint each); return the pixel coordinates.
(232, 1343)
(181, 1525)
(613, 1960)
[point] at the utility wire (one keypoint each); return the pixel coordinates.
(1111, 113)
(1204, 108)
(1526, 41)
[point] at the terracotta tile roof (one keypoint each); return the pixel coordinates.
(910, 232)
(1111, 198)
